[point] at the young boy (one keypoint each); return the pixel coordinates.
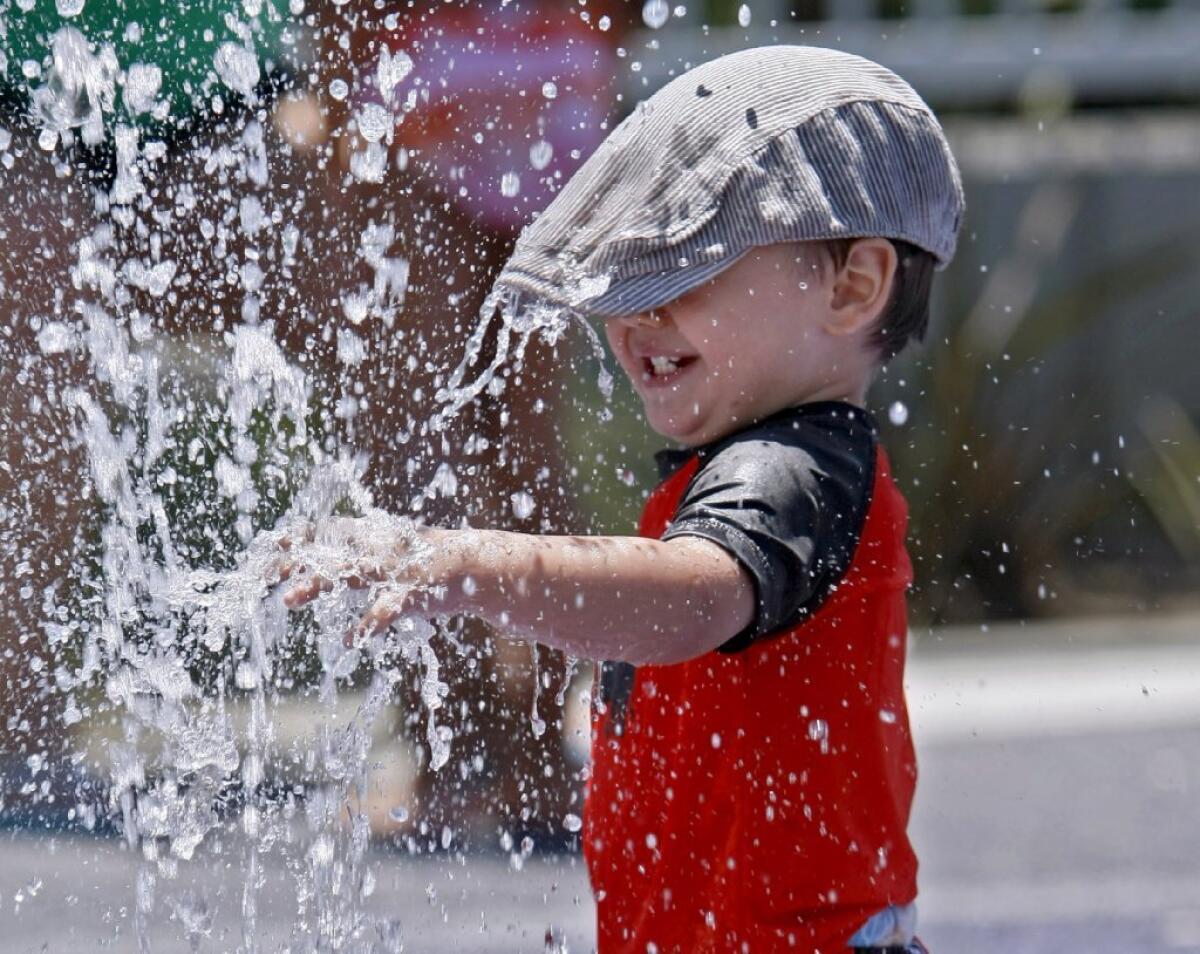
(759, 237)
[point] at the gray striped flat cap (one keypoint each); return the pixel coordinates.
(773, 144)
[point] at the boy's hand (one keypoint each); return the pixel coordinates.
(406, 579)
(291, 563)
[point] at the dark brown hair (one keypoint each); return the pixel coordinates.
(907, 313)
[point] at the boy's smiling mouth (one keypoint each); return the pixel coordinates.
(661, 369)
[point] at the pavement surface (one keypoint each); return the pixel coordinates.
(1057, 811)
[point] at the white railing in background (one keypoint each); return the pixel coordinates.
(1104, 50)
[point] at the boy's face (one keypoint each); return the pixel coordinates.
(753, 341)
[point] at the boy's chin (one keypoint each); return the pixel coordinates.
(690, 433)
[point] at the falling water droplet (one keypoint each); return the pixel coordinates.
(393, 68)
(48, 139)
(744, 15)
(572, 822)
(510, 184)
(237, 67)
(245, 676)
(898, 413)
(655, 13)
(523, 505)
(142, 84)
(339, 89)
(69, 8)
(540, 154)
(374, 122)
(549, 89)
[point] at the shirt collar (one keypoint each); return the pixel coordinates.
(671, 459)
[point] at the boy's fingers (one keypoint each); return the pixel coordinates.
(382, 613)
(306, 535)
(306, 592)
(310, 589)
(379, 617)
(353, 579)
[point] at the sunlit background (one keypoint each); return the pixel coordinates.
(348, 178)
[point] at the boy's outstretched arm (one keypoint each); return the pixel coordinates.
(623, 598)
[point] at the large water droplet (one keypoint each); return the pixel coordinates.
(540, 154)
(69, 8)
(393, 68)
(246, 675)
(523, 505)
(898, 413)
(142, 83)
(655, 13)
(744, 15)
(572, 822)
(370, 164)
(510, 184)
(339, 89)
(549, 89)
(374, 122)
(237, 67)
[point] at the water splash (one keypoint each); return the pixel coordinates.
(79, 89)
(180, 644)
(514, 320)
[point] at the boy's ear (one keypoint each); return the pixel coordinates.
(862, 286)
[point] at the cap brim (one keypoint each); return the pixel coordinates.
(626, 296)
(643, 292)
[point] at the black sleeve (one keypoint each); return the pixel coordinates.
(787, 499)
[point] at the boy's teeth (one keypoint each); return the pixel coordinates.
(663, 365)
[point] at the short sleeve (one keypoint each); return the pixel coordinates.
(787, 500)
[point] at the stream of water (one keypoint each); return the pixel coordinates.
(172, 634)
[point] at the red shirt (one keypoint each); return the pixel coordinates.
(758, 800)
